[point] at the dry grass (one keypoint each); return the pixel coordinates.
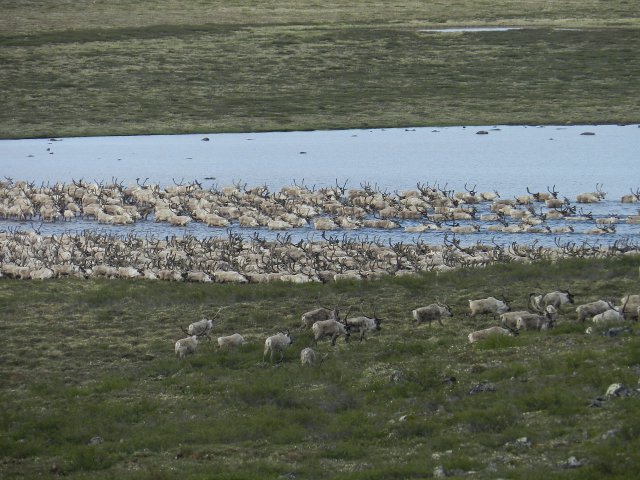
(28, 17)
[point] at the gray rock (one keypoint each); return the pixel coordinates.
(520, 443)
(618, 390)
(597, 402)
(396, 377)
(573, 462)
(439, 472)
(482, 387)
(97, 440)
(615, 331)
(610, 433)
(449, 380)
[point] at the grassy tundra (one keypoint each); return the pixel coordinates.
(89, 384)
(91, 387)
(121, 67)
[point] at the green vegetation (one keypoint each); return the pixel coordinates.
(89, 385)
(88, 359)
(88, 68)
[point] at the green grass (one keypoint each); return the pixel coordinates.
(118, 68)
(95, 358)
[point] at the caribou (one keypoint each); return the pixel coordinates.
(276, 344)
(434, 311)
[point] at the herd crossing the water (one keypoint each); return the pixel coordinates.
(426, 207)
(333, 214)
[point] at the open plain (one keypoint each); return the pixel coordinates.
(118, 68)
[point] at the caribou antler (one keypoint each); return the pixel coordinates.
(535, 195)
(471, 191)
(215, 315)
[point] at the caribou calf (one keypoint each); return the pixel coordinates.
(537, 321)
(592, 309)
(364, 324)
(432, 312)
(488, 305)
(277, 344)
(186, 346)
(330, 328)
(309, 318)
(556, 299)
(309, 357)
(487, 332)
(509, 320)
(231, 342)
(201, 328)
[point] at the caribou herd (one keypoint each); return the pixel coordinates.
(432, 207)
(325, 323)
(229, 256)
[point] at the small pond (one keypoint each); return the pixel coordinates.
(469, 29)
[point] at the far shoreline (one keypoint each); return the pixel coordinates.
(337, 129)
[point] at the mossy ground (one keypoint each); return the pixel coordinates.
(120, 68)
(83, 359)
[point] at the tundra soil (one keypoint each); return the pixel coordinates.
(122, 67)
(91, 387)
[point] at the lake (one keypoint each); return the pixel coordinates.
(507, 158)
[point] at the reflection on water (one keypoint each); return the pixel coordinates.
(507, 158)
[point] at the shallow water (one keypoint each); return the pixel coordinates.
(504, 158)
(152, 229)
(470, 29)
